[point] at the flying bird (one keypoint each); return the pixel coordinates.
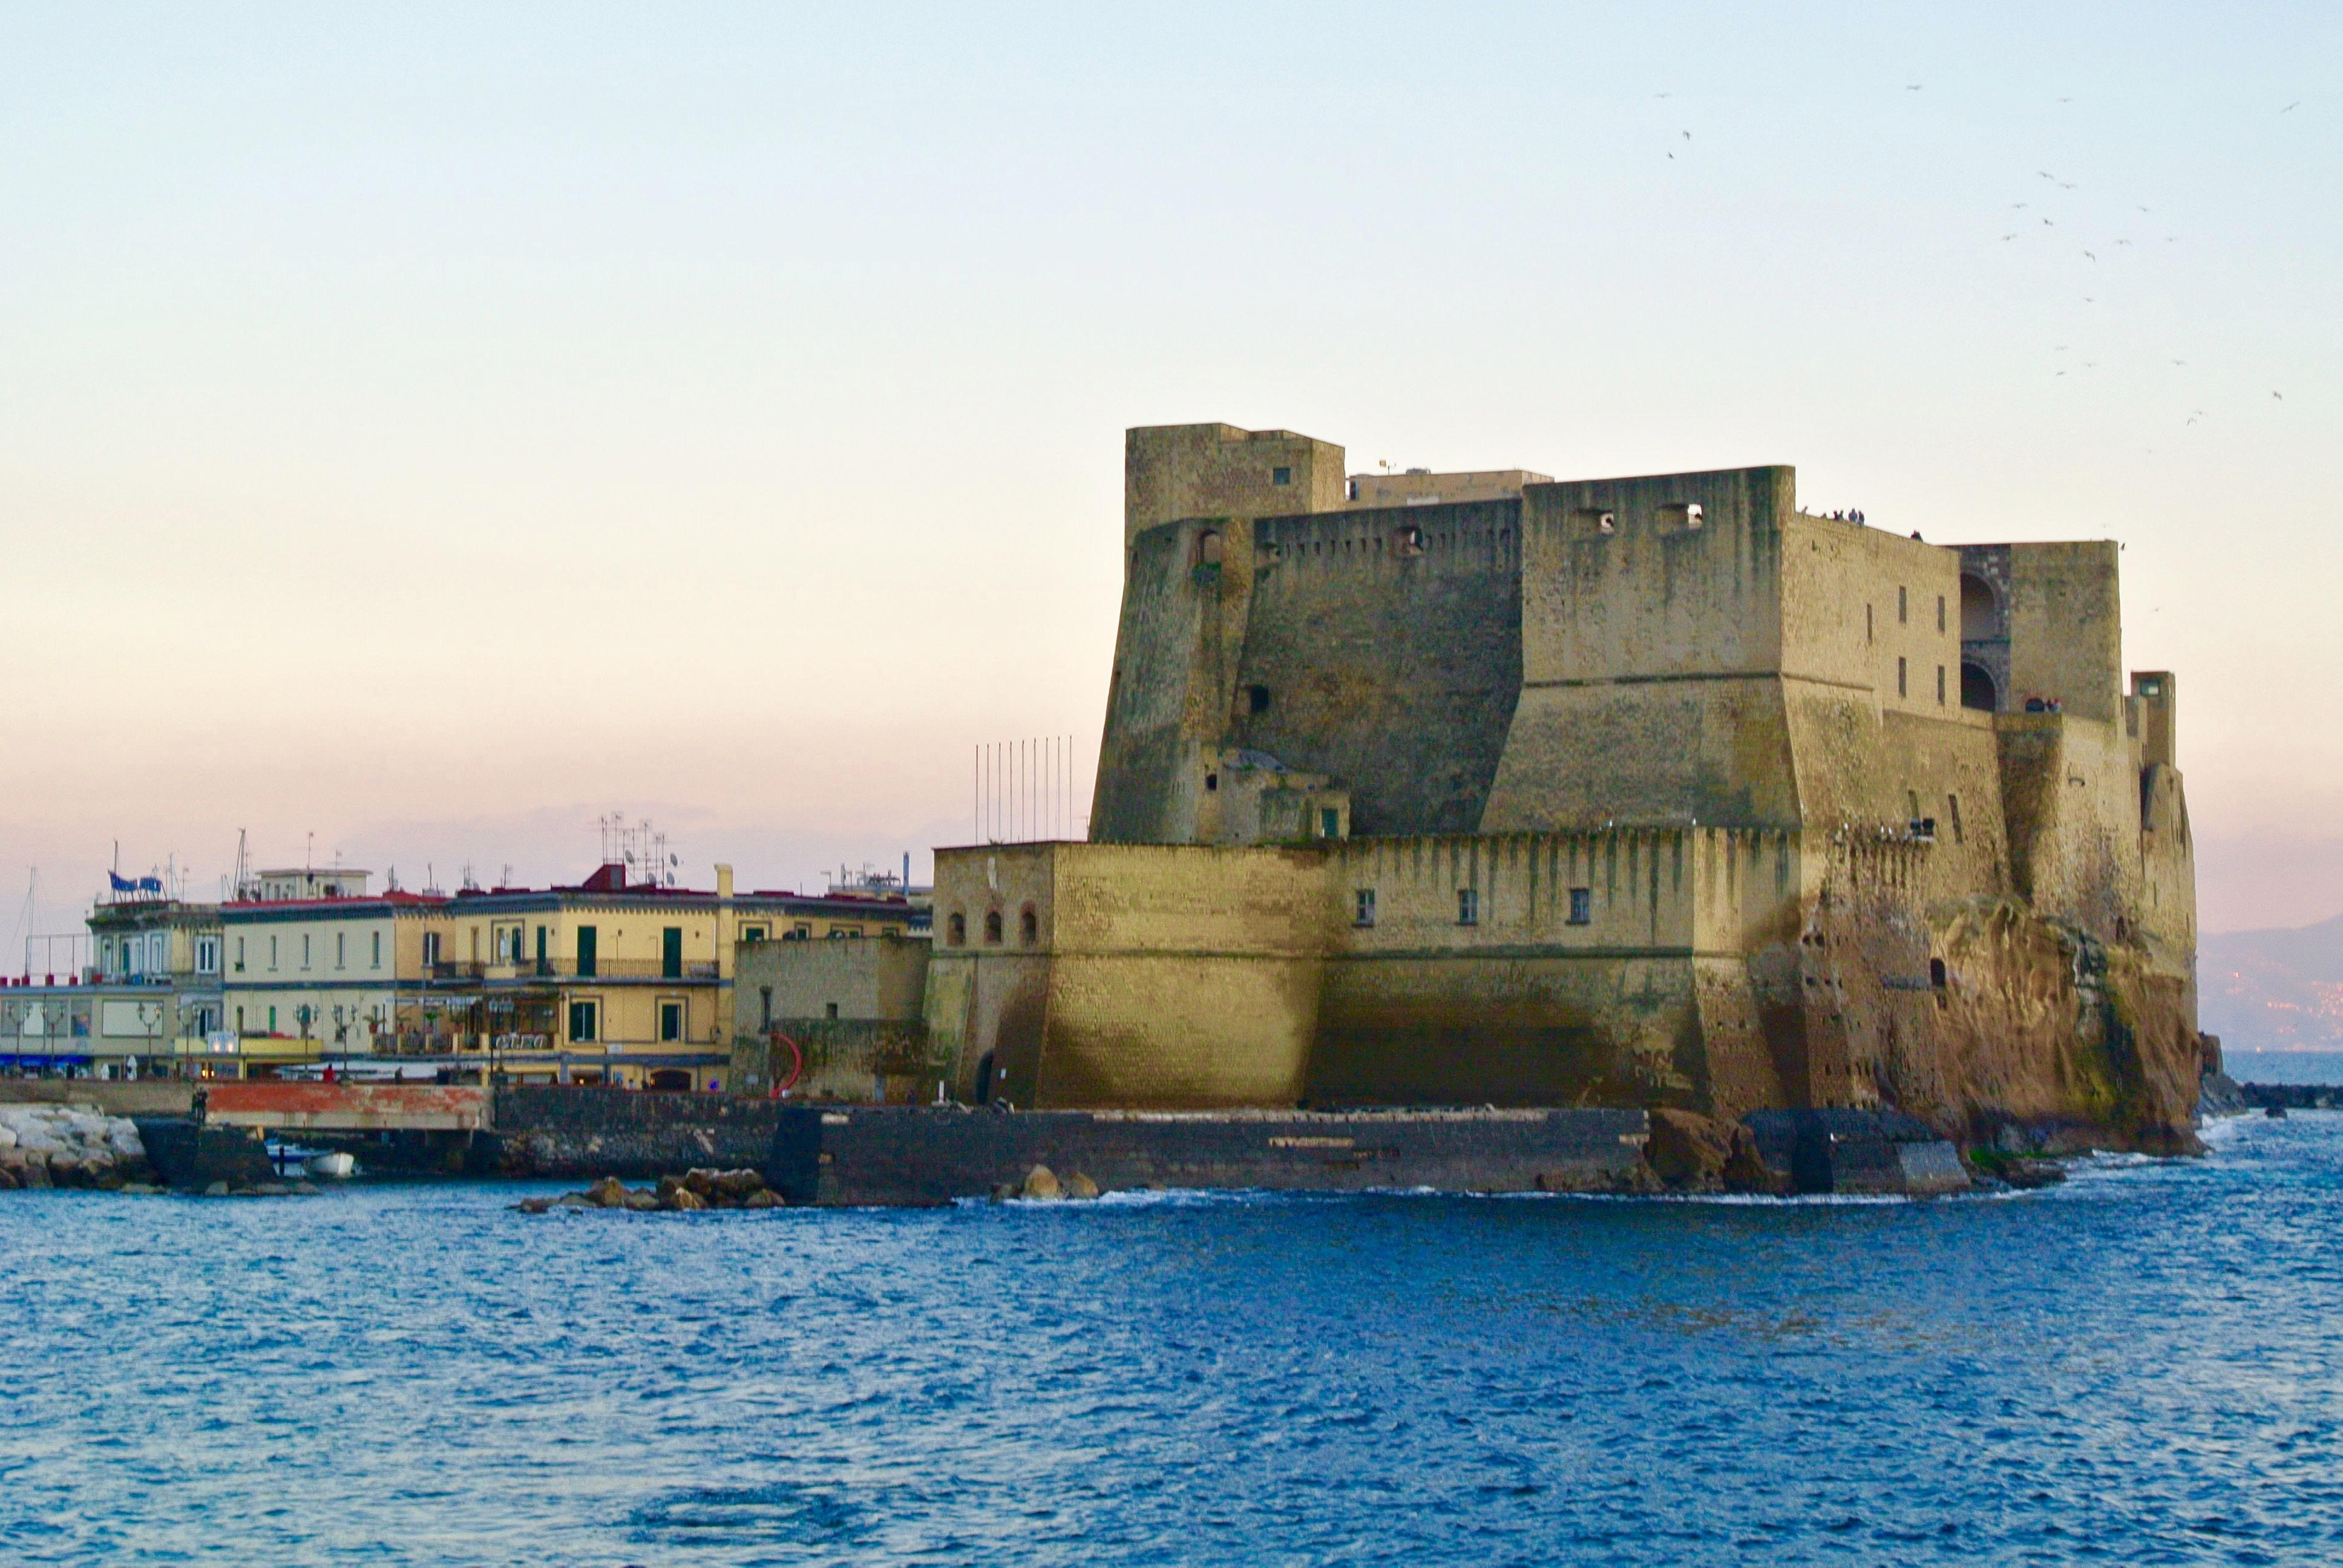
(1915, 86)
(1687, 135)
(2123, 242)
(2066, 100)
(2047, 174)
(2088, 257)
(2009, 236)
(2291, 107)
(2280, 396)
(2180, 362)
(2019, 205)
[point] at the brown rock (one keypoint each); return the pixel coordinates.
(534, 1205)
(700, 1181)
(1081, 1186)
(682, 1200)
(762, 1197)
(1041, 1184)
(1689, 1151)
(740, 1184)
(610, 1192)
(642, 1202)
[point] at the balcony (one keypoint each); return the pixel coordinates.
(569, 969)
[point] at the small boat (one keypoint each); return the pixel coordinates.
(337, 1165)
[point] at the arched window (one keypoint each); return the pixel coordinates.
(956, 931)
(1977, 691)
(992, 927)
(1028, 928)
(1208, 548)
(1980, 609)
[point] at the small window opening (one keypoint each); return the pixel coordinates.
(1212, 782)
(1582, 906)
(832, 1009)
(956, 930)
(1257, 698)
(1953, 814)
(1468, 906)
(1330, 822)
(1940, 612)
(1365, 909)
(1029, 928)
(1208, 548)
(1936, 976)
(1940, 686)
(1902, 608)
(992, 927)
(1280, 476)
(1901, 682)
(1868, 634)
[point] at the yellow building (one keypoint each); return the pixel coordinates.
(604, 982)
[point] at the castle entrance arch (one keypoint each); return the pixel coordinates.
(1976, 688)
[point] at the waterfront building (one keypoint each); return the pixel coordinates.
(148, 1000)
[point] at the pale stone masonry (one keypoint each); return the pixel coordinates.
(1642, 791)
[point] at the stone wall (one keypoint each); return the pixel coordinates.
(574, 1131)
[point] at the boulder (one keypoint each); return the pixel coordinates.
(610, 1192)
(682, 1200)
(700, 1181)
(216, 1190)
(642, 1202)
(575, 1200)
(1041, 1184)
(534, 1205)
(668, 1186)
(1689, 1152)
(740, 1184)
(762, 1197)
(7, 1137)
(1077, 1185)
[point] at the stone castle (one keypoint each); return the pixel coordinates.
(1472, 788)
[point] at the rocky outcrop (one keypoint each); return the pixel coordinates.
(1689, 1152)
(69, 1146)
(698, 1188)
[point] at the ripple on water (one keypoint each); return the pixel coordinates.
(2139, 1366)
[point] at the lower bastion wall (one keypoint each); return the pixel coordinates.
(1719, 971)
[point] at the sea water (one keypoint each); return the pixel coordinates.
(2142, 1366)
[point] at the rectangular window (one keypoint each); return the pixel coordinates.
(670, 1021)
(1902, 685)
(1953, 814)
(1902, 608)
(1280, 476)
(1330, 823)
(430, 949)
(584, 1017)
(672, 953)
(1940, 686)
(1366, 908)
(753, 933)
(305, 949)
(1940, 612)
(239, 1021)
(377, 949)
(1468, 906)
(207, 955)
(239, 956)
(765, 1006)
(272, 955)
(540, 948)
(341, 949)
(272, 1020)
(832, 1008)
(589, 951)
(802, 931)
(1582, 906)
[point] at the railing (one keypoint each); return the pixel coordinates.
(571, 969)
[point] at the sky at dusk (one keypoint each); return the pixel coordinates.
(424, 430)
